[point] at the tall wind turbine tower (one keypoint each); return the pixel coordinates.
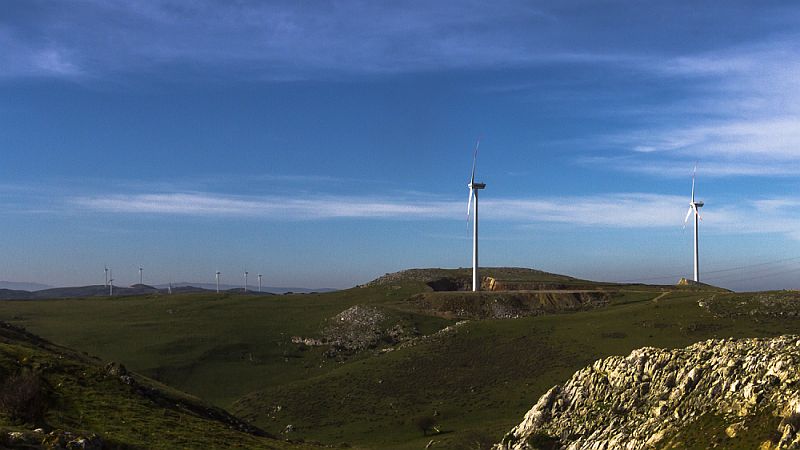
(259, 283)
(111, 283)
(473, 193)
(694, 206)
(218, 272)
(140, 275)
(105, 269)
(245, 281)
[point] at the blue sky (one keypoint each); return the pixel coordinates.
(325, 143)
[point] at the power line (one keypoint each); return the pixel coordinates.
(731, 269)
(797, 269)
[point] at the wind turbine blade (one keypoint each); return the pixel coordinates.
(694, 174)
(474, 160)
(686, 220)
(469, 206)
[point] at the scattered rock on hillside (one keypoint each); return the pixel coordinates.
(719, 390)
(60, 439)
(782, 304)
(358, 328)
(114, 369)
(355, 328)
(362, 327)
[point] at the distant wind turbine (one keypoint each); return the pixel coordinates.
(473, 193)
(105, 269)
(111, 283)
(259, 283)
(140, 275)
(245, 281)
(218, 272)
(694, 206)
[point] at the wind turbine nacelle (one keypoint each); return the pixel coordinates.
(477, 185)
(698, 204)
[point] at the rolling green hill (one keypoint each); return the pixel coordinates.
(474, 379)
(51, 394)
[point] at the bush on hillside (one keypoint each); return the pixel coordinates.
(22, 397)
(425, 424)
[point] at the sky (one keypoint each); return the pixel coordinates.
(323, 144)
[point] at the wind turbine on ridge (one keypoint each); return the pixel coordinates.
(695, 206)
(140, 275)
(217, 274)
(111, 284)
(245, 281)
(259, 283)
(473, 193)
(105, 269)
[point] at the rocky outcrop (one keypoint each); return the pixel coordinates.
(717, 391)
(355, 328)
(506, 305)
(359, 328)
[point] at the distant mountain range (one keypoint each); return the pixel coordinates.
(137, 289)
(250, 287)
(23, 286)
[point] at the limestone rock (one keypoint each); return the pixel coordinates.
(653, 398)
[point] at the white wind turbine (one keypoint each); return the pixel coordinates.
(111, 283)
(473, 192)
(140, 275)
(217, 274)
(105, 269)
(259, 283)
(694, 206)
(245, 281)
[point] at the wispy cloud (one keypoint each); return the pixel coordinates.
(621, 210)
(671, 167)
(273, 39)
(741, 117)
(281, 208)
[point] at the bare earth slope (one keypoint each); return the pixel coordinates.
(729, 393)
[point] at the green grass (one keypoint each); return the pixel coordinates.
(84, 399)
(198, 341)
(477, 381)
(486, 376)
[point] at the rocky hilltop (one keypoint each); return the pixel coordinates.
(461, 279)
(730, 393)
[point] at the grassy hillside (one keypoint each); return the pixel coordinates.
(197, 342)
(474, 380)
(56, 389)
(485, 375)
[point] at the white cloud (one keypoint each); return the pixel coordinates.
(280, 208)
(621, 210)
(740, 117)
(273, 39)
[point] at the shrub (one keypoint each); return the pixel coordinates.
(22, 397)
(425, 424)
